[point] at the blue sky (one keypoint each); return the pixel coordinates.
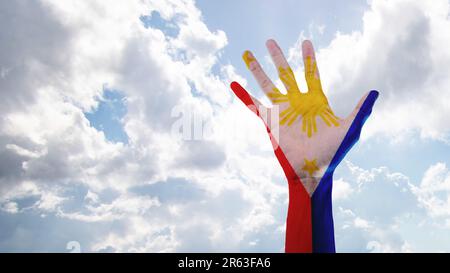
(252, 22)
(107, 117)
(88, 148)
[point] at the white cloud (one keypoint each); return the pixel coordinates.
(377, 205)
(230, 188)
(91, 197)
(123, 207)
(357, 234)
(53, 152)
(433, 192)
(377, 247)
(402, 52)
(10, 207)
(49, 201)
(361, 223)
(390, 212)
(341, 189)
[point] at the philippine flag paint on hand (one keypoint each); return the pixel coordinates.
(309, 141)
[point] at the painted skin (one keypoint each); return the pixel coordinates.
(309, 141)
(308, 131)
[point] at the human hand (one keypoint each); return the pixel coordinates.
(308, 133)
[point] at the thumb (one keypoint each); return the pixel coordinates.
(364, 107)
(356, 119)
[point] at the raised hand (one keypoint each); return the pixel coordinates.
(309, 141)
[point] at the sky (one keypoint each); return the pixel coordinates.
(119, 132)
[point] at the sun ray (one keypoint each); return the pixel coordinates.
(286, 117)
(293, 118)
(332, 117)
(304, 125)
(309, 127)
(303, 106)
(280, 100)
(325, 119)
(314, 124)
(285, 111)
(275, 95)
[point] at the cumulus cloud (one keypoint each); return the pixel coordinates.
(341, 189)
(384, 210)
(49, 139)
(434, 190)
(57, 164)
(10, 207)
(401, 51)
(159, 191)
(367, 219)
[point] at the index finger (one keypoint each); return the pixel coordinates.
(261, 77)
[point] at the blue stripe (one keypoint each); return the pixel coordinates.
(321, 208)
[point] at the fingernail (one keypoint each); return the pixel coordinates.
(272, 47)
(307, 49)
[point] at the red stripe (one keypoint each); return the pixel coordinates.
(243, 95)
(298, 223)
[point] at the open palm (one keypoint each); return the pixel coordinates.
(307, 130)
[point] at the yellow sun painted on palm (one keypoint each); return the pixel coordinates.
(306, 106)
(310, 166)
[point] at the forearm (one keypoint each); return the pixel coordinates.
(309, 225)
(298, 222)
(322, 217)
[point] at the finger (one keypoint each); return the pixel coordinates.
(261, 77)
(311, 71)
(284, 70)
(356, 119)
(251, 102)
(364, 107)
(288, 116)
